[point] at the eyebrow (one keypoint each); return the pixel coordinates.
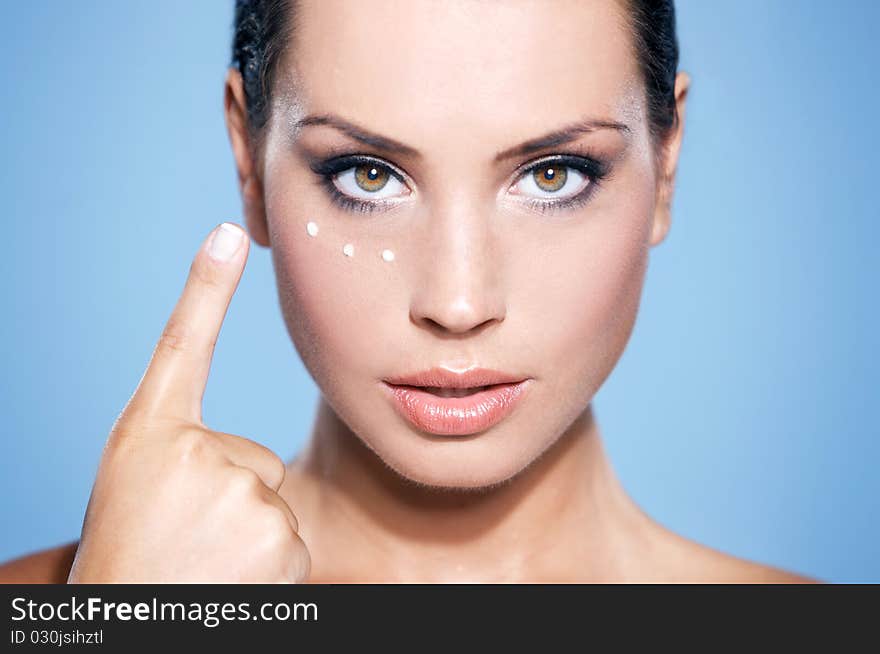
(566, 134)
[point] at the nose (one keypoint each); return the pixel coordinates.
(459, 287)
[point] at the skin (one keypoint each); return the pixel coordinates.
(479, 277)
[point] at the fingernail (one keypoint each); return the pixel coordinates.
(225, 242)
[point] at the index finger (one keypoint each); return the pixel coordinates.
(175, 379)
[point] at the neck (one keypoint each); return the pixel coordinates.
(362, 521)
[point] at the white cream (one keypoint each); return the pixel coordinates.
(348, 249)
(388, 255)
(312, 228)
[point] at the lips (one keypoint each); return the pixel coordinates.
(443, 377)
(444, 402)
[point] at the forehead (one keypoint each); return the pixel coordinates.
(486, 67)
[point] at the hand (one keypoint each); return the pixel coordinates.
(174, 501)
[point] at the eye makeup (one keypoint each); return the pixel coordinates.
(594, 170)
(590, 165)
(328, 169)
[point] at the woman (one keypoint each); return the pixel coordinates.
(460, 199)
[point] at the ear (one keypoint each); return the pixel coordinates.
(243, 150)
(669, 163)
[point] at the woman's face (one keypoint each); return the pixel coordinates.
(516, 263)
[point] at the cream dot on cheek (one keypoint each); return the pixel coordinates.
(312, 228)
(388, 255)
(348, 249)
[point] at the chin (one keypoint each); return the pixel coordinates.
(470, 464)
(473, 463)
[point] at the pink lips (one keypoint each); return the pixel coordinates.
(458, 416)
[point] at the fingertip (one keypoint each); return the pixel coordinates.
(226, 241)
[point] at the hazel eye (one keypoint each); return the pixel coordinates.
(552, 181)
(368, 181)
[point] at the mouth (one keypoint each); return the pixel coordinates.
(456, 411)
(440, 391)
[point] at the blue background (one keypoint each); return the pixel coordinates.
(741, 415)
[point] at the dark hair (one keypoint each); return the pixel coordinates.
(656, 46)
(262, 28)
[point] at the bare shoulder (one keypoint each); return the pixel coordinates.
(705, 564)
(48, 566)
(732, 569)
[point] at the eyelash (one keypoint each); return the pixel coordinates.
(594, 169)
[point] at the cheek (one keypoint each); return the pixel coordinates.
(337, 308)
(590, 282)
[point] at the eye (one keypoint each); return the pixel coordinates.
(369, 181)
(559, 181)
(551, 181)
(360, 183)
(363, 183)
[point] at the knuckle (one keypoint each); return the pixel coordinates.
(244, 482)
(176, 336)
(190, 445)
(122, 436)
(299, 564)
(121, 433)
(277, 467)
(274, 536)
(271, 466)
(126, 436)
(277, 527)
(119, 446)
